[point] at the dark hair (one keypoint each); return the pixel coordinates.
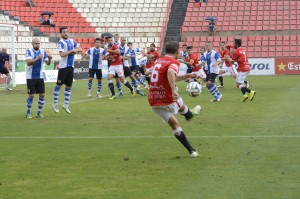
(153, 44)
(184, 45)
(172, 47)
(97, 39)
(223, 42)
(129, 43)
(189, 47)
(108, 37)
(116, 35)
(238, 42)
(62, 28)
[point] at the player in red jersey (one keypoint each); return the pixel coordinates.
(163, 97)
(193, 61)
(116, 68)
(226, 64)
(240, 56)
(152, 56)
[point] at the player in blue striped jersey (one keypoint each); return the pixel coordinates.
(127, 61)
(212, 61)
(67, 49)
(34, 76)
(134, 62)
(96, 55)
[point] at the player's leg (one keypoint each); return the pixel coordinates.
(40, 89)
(221, 80)
(68, 88)
(90, 81)
(8, 79)
(123, 80)
(241, 77)
(110, 76)
(60, 81)
(4, 70)
(99, 85)
(212, 88)
(135, 84)
(168, 115)
(31, 92)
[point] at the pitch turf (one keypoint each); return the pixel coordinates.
(120, 149)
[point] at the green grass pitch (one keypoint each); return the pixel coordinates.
(119, 149)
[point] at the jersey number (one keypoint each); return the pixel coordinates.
(154, 76)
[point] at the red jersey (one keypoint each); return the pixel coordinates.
(116, 61)
(240, 56)
(194, 57)
(160, 92)
(224, 53)
(154, 54)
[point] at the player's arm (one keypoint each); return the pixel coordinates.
(29, 59)
(219, 60)
(47, 58)
(190, 63)
(185, 76)
(117, 51)
(172, 79)
(234, 58)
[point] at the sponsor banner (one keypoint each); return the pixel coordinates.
(48, 75)
(258, 66)
(81, 70)
(287, 66)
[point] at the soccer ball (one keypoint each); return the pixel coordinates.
(194, 89)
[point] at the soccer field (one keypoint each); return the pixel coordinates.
(120, 149)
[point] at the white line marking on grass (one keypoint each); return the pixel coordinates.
(139, 137)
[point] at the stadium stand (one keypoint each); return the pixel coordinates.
(142, 23)
(267, 28)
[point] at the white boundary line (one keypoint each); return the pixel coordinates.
(140, 137)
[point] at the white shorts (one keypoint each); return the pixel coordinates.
(241, 77)
(116, 70)
(166, 112)
(200, 73)
(230, 69)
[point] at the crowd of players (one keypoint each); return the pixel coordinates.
(161, 74)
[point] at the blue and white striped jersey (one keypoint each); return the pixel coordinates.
(133, 61)
(95, 57)
(123, 51)
(63, 46)
(35, 71)
(211, 58)
(184, 54)
(143, 61)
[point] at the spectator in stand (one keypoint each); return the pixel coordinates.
(30, 3)
(46, 20)
(212, 28)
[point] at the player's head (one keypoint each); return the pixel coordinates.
(237, 43)
(152, 47)
(63, 32)
(202, 50)
(223, 45)
(102, 43)
(97, 43)
(189, 49)
(4, 51)
(129, 44)
(209, 46)
(36, 43)
(116, 37)
(123, 41)
(184, 47)
(172, 49)
(109, 40)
